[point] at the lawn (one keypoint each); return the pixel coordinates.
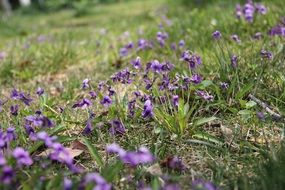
(143, 94)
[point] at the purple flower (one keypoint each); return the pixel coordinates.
(67, 184)
(17, 95)
(192, 59)
(217, 35)
(7, 175)
(147, 109)
(203, 185)
(266, 54)
(85, 84)
(205, 95)
(137, 63)
(10, 134)
(156, 66)
(22, 157)
(99, 181)
(176, 163)
(88, 128)
(175, 100)
(106, 101)
(238, 11)
(117, 127)
(84, 103)
(234, 61)
(260, 8)
(133, 158)
(181, 43)
(196, 79)
(260, 116)
(93, 94)
(235, 38)
(277, 30)
(248, 11)
(1, 105)
(224, 85)
(171, 186)
(161, 37)
(131, 107)
(2, 160)
(14, 109)
(40, 91)
(124, 51)
(39, 120)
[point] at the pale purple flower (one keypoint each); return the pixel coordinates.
(266, 54)
(2, 55)
(176, 163)
(22, 157)
(39, 120)
(67, 184)
(124, 51)
(88, 128)
(2, 160)
(238, 11)
(181, 43)
(156, 66)
(203, 185)
(205, 95)
(93, 94)
(100, 182)
(234, 61)
(261, 8)
(17, 95)
(193, 60)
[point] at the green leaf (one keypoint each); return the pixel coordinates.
(243, 91)
(110, 171)
(204, 120)
(208, 137)
(250, 104)
(94, 152)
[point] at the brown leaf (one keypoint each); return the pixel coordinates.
(72, 152)
(78, 145)
(154, 169)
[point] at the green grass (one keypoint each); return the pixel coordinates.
(220, 141)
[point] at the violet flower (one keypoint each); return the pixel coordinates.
(266, 54)
(175, 100)
(203, 185)
(98, 180)
(14, 110)
(234, 61)
(106, 101)
(7, 175)
(85, 84)
(181, 44)
(192, 59)
(23, 158)
(205, 95)
(17, 95)
(88, 128)
(137, 63)
(156, 66)
(217, 35)
(84, 103)
(235, 38)
(2, 160)
(196, 79)
(40, 91)
(147, 109)
(67, 184)
(117, 127)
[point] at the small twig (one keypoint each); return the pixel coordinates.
(266, 107)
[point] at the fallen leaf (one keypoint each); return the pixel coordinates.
(72, 152)
(154, 169)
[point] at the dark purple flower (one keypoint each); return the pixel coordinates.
(196, 79)
(85, 84)
(111, 91)
(147, 109)
(14, 109)
(131, 107)
(278, 30)
(224, 85)
(205, 95)
(130, 45)
(143, 44)
(248, 11)
(84, 103)
(40, 91)
(234, 61)
(235, 38)
(266, 54)
(10, 134)
(257, 36)
(22, 157)
(106, 101)
(167, 66)
(137, 63)
(203, 185)
(175, 100)
(217, 35)
(39, 120)
(88, 128)
(7, 175)
(117, 127)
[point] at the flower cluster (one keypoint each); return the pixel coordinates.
(249, 9)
